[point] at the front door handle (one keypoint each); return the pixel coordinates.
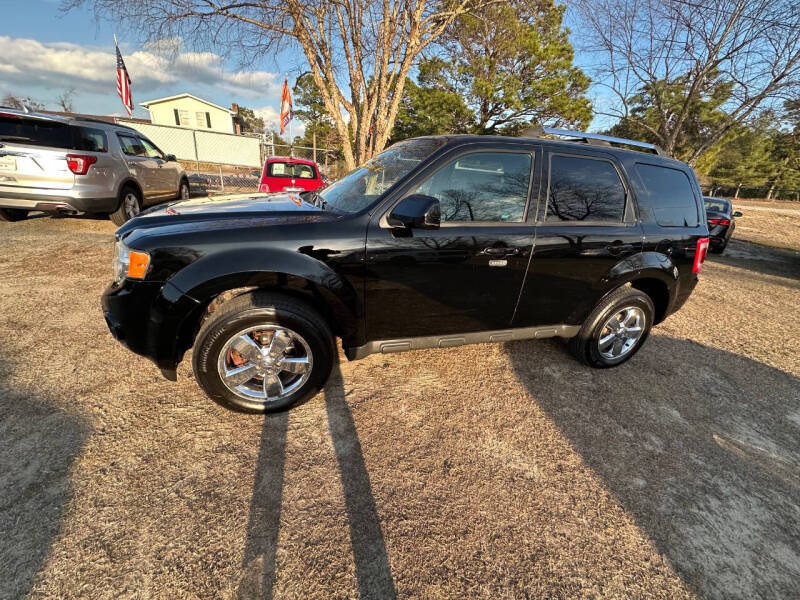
(500, 251)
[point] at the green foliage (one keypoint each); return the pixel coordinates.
(310, 108)
(512, 64)
(250, 122)
(657, 105)
(430, 111)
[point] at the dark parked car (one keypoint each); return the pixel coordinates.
(721, 222)
(436, 242)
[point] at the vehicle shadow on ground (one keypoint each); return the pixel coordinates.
(699, 445)
(759, 258)
(373, 573)
(39, 443)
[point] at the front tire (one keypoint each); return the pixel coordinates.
(183, 190)
(615, 330)
(263, 352)
(13, 214)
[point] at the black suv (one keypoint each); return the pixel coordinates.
(436, 242)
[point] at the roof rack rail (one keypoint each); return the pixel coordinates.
(596, 139)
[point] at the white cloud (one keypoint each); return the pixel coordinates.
(28, 63)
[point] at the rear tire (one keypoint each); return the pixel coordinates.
(13, 214)
(130, 205)
(282, 344)
(615, 330)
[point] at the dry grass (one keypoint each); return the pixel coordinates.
(769, 223)
(503, 471)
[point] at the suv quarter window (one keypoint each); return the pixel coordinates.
(481, 187)
(584, 189)
(671, 195)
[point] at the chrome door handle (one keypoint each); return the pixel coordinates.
(500, 251)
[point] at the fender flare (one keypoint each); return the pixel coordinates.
(297, 273)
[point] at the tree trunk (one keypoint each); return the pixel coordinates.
(736, 195)
(314, 143)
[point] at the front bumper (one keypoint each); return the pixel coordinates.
(47, 201)
(147, 317)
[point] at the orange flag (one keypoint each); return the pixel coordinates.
(286, 106)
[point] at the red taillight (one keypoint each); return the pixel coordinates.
(719, 221)
(80, 163)
(700, 254)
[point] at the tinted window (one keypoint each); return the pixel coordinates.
(297, 170)
(717, 204)
(671, 195)
(89, 139)
(35, 132)
(132, 146)
(483, 186)
(584, 189)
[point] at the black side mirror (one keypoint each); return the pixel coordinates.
(738, 213)
(170, 158)
(416, 212)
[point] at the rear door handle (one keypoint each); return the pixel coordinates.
(618, 247)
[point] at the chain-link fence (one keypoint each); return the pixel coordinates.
(227, 163)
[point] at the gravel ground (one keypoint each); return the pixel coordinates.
(491, 471)
(770, 223)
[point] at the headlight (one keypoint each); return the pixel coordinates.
(128, 263)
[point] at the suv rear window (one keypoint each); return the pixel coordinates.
(52, 134)
(671, 195)
(35, 132)
(296, 170)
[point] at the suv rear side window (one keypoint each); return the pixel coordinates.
(297, 170)
(671, 195)
(584, 190)
(131, 146)
(89, 139)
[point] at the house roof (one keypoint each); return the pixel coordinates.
(147, 103)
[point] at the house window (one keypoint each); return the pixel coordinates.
(185, 122)
(201, 119)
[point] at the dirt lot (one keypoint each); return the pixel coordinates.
(492, 471)
(771, 223)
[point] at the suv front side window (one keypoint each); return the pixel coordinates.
(585, 190)
(486, 187)
(150, 149)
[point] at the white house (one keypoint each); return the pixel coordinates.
(186, 110)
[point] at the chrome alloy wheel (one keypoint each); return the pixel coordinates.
(265, 363)
(621, 332)
(131, 204)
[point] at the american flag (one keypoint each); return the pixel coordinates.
(123, 82)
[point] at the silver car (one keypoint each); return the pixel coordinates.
(81, 165)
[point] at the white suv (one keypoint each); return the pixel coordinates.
(81, 165)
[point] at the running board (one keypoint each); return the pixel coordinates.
(448, 341)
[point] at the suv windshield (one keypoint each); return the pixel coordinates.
(360, 188)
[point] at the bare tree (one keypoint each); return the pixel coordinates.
(359, 52)
(65, 100)
(658, 47)
(21, 102)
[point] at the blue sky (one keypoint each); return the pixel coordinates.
(44, 52)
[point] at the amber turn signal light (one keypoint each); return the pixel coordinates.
(137, 265)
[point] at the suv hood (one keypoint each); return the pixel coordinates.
(276, 208)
